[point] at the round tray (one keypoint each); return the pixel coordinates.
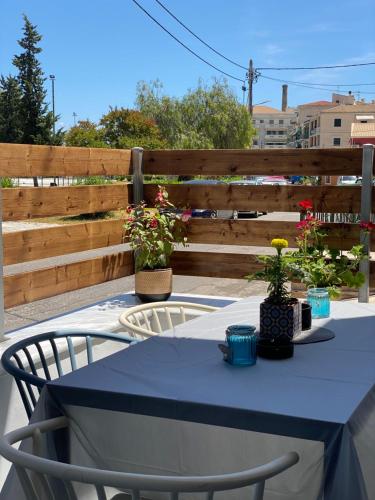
(315, 334)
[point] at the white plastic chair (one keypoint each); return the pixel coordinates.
(146, 320)
(35, 473)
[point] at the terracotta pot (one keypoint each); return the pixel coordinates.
(153, 285)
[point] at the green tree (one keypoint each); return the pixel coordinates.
(126, 128)
(10, 104)
(206, 117)
(86, 134)
(37, 120)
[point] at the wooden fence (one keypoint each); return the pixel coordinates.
(26, 203)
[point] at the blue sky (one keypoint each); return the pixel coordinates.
(99, 50)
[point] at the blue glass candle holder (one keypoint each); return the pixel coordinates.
(241, 345)
(318, 299)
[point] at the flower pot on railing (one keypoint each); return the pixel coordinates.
(153, 285)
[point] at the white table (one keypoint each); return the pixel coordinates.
(171, 405)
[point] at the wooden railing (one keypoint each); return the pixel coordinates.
(306, 162)
(33, 203)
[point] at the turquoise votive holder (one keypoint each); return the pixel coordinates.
(242, 345)
(318, 298)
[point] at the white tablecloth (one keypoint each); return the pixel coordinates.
(171, 405)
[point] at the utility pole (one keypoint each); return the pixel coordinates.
(251, 81)
(74, 117)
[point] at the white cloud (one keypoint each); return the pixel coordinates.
(272, 49)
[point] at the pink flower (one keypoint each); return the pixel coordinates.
(186, 215)
(129, 210)
(306, 205)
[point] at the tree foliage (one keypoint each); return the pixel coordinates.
(85, 134)
(10, 103)
(37, 120)
(119, 128)
(206, 117)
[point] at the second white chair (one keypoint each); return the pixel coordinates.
(146, 320)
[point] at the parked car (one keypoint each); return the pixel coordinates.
(246, 214)
(222, 214)
(347, 180)
(274, 180)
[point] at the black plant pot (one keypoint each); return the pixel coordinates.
(306, 316)
(279, 324)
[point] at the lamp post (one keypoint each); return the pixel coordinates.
(52, 78)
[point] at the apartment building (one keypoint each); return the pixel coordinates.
(272, 126)
(335, 123)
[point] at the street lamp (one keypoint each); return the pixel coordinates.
(52, 78)
(263, 102)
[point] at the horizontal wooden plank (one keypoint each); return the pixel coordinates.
(258, 232)
(345, 161)
(29, 203)
(43, 283)
(331, 199)
(214, 264)
(24, 160)
(34, 244)
(223, 265)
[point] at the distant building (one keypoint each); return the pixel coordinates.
(272, 126)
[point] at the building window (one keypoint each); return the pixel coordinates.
(336, 141)
(337, 122)
(255, 142)
(281, 122)
(281, 132)
(271, 122)
(261, 121)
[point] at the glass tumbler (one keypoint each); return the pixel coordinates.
(242, 345)
(318, 299)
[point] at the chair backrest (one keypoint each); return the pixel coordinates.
(43, 469)
(151, 319)
(29, 360)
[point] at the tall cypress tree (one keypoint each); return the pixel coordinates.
(37, 121)
(10, 105)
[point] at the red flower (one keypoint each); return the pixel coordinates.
(306, 205)
(129, 210)
(130, 219)
(367, 226)
(302, 224)
(154, 223)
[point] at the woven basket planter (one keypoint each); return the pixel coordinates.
(153, 285)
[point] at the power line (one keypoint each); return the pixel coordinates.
(305, 85)
(320, 67)
(185, 46)
(198, 37)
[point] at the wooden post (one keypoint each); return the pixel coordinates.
(1, 269)
(366, 211)
(137, 170)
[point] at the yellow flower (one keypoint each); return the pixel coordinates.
(279, 243)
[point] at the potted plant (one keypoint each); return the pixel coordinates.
(280, 314)
(153, 235)
(319, 266)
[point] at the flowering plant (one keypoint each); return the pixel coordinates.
(154, 233)
(276, 272)
(319, 266)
